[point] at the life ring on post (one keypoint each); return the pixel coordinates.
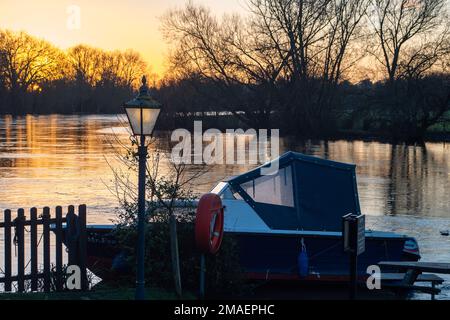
(209, 223)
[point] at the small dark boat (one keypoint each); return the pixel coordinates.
(274, 216)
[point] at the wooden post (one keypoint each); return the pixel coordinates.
(82, 245)
(20, 234)
(7, 238)
(34, 249)
(202, 275)
(353, 275)
(59, 248)
(175, 254)
(433, 295)
(46, 244)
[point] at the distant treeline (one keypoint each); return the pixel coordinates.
(36, 77)
(310, 68)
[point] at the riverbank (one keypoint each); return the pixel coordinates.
(430, 136)
(437, 133)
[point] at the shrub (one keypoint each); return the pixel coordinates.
(224, 275)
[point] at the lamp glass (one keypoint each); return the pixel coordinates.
(142, 120)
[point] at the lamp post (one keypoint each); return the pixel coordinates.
(142, 113)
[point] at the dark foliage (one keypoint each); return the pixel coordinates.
(224, 275)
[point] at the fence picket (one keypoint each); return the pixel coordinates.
(20, 242)
(59, 248)
(74, 235)
(82, 245)
(7, 249)
(34, 249)
(71, 235)
(46, 245)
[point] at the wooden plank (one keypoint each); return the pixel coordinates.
(71, 236)
(26, 277)
(7, 249)
(435, 267)
(20, 241)
(426, 277)
(424, 289)
(410, 277)
(59, 249)
(34, 249)
(46, 247)
(82, 245)
(28, 222)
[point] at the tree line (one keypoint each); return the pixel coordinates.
(310, 68)
(295, 64)
(37, 77)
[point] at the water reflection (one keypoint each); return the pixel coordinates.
(50, 160)
(394, 179)
(60, 160)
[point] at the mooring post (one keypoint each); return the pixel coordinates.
(353, 275)
(202, 276)
(353, 234)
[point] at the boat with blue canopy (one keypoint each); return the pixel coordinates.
(299, 209)
(287, 224)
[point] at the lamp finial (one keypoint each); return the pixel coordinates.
(143, 90)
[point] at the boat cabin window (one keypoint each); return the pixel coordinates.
(275, 189)
(228, 194)
(225, 192)
(219, 187)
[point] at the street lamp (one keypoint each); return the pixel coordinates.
(142, 113)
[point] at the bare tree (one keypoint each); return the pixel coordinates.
(290, 53)
(168, 197)
(27, 63)
(85, 62)
(410, 34)
(314, 39)
(132, 68)
(227, 53)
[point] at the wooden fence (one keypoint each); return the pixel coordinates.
(70, 229)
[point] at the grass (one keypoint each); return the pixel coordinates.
(442, 126)
(98, 293)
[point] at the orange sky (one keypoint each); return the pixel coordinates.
(107, 24)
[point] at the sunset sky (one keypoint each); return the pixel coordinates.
(107, 24)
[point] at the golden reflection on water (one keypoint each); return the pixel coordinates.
(51, 160)
(61, 160)
(394, 179)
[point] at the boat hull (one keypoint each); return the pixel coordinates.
(275, 256)
(270, 255)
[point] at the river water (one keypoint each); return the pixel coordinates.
(60, 160)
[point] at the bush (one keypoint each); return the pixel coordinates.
(224, 274)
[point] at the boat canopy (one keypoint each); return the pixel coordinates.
(306, 193)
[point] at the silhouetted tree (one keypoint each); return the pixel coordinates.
(27, 63)
(410, 35)
(287, 57)
(36, 77)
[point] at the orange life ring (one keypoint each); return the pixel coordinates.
(209, 223)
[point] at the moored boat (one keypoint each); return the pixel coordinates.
(274, 217)
(301, 205)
